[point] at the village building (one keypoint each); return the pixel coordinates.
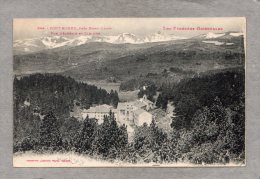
(98, 112)
(136, 111)
(148, 104)
(141, 116)
(125, 111)
(76, 110)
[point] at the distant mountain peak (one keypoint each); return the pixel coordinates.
(127, 38)
(236, 34)
(49, 42)
(213, 35)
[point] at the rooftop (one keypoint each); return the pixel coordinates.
(140, 111)
(99, 109)
(139, 104)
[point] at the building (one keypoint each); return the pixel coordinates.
(98, 112)
(139, 105)
(134, 111)
(76, 110)
(147, 103)
(141, 116)
(125, 111)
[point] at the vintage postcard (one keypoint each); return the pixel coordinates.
(129, 92)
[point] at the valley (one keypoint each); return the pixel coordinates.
(102, 61)
(120, 99)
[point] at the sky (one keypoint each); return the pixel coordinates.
(38, 27)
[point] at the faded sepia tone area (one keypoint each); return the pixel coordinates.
(129, 92)
(27, 28)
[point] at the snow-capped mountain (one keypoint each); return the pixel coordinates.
(127, 38)
(37, 44)
(160, 37)
(220, 39)
(212, 35)
(236, 34)
(54, 41)
(50, 42)
(226, 35)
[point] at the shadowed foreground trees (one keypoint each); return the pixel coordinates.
(49, 134)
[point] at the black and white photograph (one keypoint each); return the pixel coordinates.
(129, 92)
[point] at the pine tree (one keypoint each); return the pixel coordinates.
(116, 99)
(84, 138)
(164, 102)
(110, 138)
(159, 101)
(49, 132)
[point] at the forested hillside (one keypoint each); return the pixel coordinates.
(210, 116)
(209, 126)
(41, 94)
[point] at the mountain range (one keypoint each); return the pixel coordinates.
(50, 42)
(89, 59)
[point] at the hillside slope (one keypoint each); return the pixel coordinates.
(101, 60)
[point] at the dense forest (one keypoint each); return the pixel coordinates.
(210, 115)
(209, 126)
(39, 94)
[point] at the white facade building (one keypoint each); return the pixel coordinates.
(98, 112)
(136, 111)
(141, 116)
